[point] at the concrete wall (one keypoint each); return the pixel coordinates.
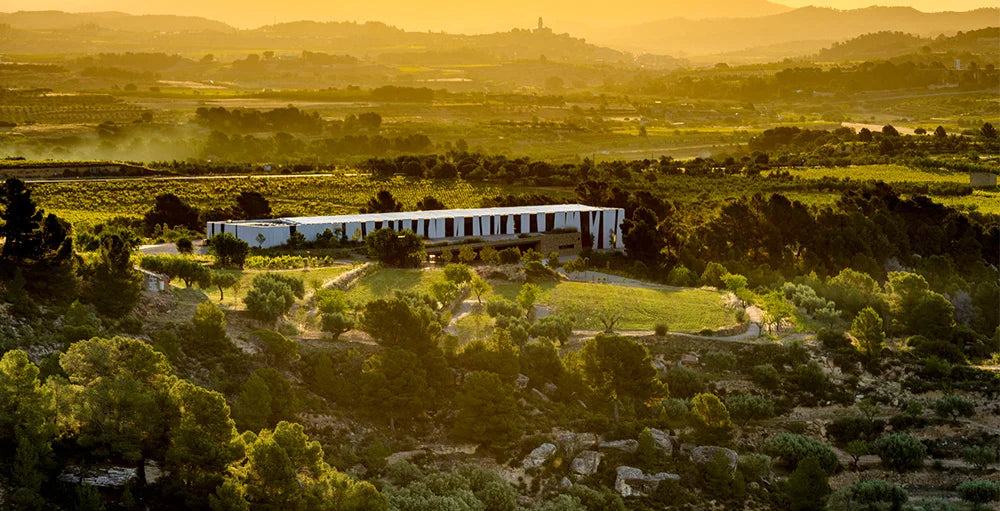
(604, 227)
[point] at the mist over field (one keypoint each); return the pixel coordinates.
(556, 255)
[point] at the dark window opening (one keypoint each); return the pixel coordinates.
(533, 223)
(449, 227)
(585, 226)
(567, 247)
(468, 226)
(550, 221)
(517, 224)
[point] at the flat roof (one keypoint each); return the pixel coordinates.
(410, 215)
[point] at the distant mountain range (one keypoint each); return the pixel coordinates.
(453, 16)
(55, 20)
(694, 37)
(783, 33)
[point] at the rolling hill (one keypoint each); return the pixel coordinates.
(693, 37)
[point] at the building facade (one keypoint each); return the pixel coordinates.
(600, 226)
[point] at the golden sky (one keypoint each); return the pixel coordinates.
(469, 16)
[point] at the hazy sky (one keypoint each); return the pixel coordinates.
(451, 15)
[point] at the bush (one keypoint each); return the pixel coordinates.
(185, 246)
(807, 488)
(765, 375)
(870, 494)
(833, 339)
(791, 449)
(684, 382)
(954, 407)
(900, 452)
(680, 276)
(498, 306)
(747, 407)
(661, 329)
(980, 456)
(712, 276)
(209, 322)
(734, 282)
(719, 361)
(979, 492)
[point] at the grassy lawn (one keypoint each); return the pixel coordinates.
(684, 310)
(382, 282)
(234, 296)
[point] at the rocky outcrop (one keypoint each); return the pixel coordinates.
(586, 463)
(704, 454)
(539, 456)
(572, 443)
(632, 482)
(397, 457)
(662, 441)
(629, 446)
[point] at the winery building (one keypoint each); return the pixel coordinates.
(601, 227)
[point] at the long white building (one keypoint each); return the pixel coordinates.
(601, 225)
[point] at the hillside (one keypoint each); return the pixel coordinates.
(58, 20)
(453, 16)
(884, 45)
(693, 37)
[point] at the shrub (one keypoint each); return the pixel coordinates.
(661, 329)
(734, 282)
(712, 276)
(209, 322)
(833, 339)
(979, 492)
(765, 375)
(980, 456)
(185, 246)
(791, 448)
(756, 467)
(900, 452)
(870, 494)
(747, 407)
(954, 407)
(807, 488)
(684, 382)
(713, 417)
(682, 277)
(498, 306)
(719, 361)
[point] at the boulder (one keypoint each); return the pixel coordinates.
(662, 441)
(549, 388)
(521, 382)
(586, 462)
(628, 446)
(539, 456)
(632, 482)
(541, 396)
(704, 454)
(572, 443)
(565, 483)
